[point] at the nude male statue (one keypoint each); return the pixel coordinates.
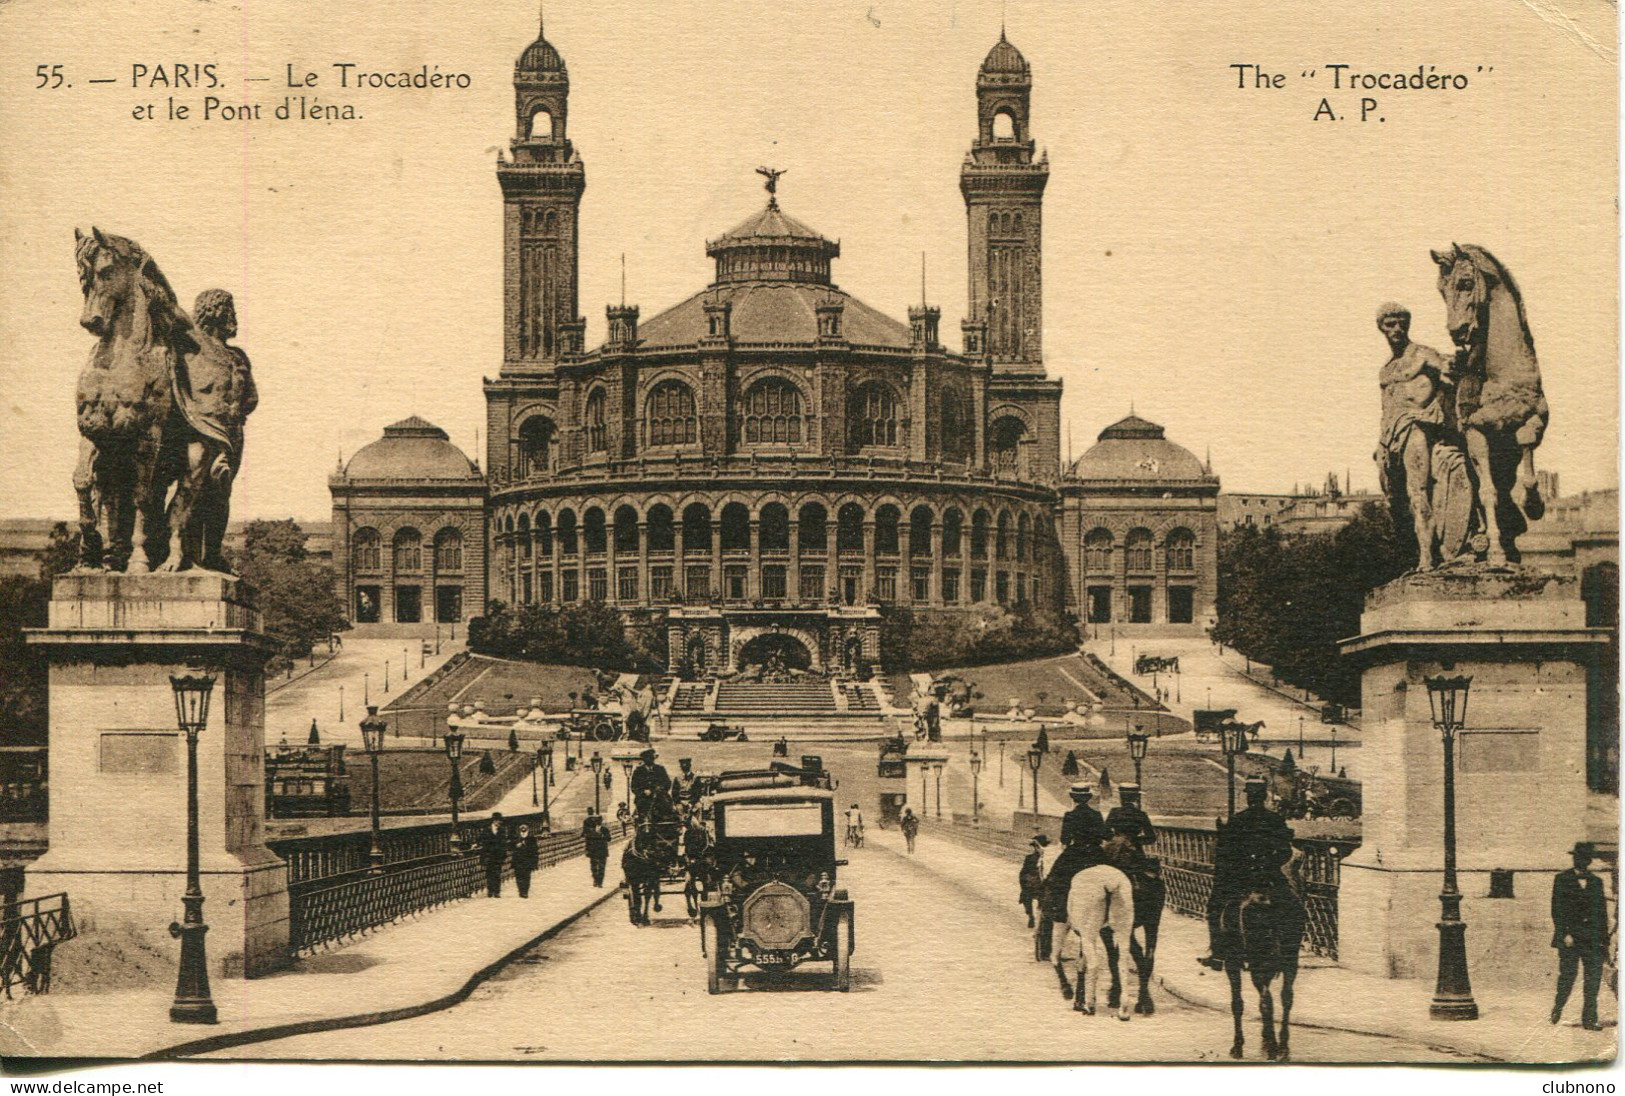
(1418, 390)
(214, 394)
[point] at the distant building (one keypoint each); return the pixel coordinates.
(23, 542)
(1303, 510)
(1139, 528)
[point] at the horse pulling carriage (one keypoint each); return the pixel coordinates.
(776, 904)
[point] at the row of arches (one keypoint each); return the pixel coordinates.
(1139, 551)
(406, 550)
(772, 411)
(815, 551)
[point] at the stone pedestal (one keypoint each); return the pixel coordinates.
(1520, 768)
(118, 765)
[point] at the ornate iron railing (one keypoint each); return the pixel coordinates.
(329, 909)
(1187, 869)
(29, 932)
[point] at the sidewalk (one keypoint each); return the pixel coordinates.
(407, 969)
(1512, 1026)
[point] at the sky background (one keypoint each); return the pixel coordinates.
(1212, 256)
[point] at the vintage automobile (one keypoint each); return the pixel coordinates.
(603, 725)
(721, 732)
(777, 905)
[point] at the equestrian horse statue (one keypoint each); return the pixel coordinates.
(1500, 405)
(125, 396)
(161, 404)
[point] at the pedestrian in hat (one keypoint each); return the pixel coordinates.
(910, 823)
(1033, 870)
(1580, 934)
(494, 854)
(524, 856)
(685, 786)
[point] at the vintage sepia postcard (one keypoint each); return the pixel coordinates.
(892, 531)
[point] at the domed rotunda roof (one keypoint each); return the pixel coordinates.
(412, 449)
(540, 57)
(1134, 449)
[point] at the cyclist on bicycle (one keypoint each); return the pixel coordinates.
(854, 826)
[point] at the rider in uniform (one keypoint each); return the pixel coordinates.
(685, 785)
(650, 783)
(1130, 820)
(1082, 831)
(1250, 852)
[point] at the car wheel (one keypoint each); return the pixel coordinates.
(843, 952)
(711, 944)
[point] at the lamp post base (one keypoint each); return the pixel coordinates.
(1453, 993)
(192, 1011)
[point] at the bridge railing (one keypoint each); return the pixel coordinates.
(1186, 854)
(29, 931)
(334, 894)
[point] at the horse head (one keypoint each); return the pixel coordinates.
(115, 274)
(1465, 284)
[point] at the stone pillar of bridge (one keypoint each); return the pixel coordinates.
(1520, 771)
(117, 830)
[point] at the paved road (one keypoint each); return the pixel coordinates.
(941, 971)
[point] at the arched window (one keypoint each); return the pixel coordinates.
(849, 528)
(541, 125)
(872, 416)
(919, 532)
(696, 529)
(592, 531)
(886, 522)
(773, 413)
(1024, 530)
(535, 446)
(957, 436)
(953, 533)
(597, 422)
(524, 536)
(978, 535)
(544, 534)
(1001, 544)
(365, 550)
(568, 544)
(408, 550)
(775, 528)
(813, 531)
(1138, 543)
(1181, 549)
(662, 534)
(1008, 432)
(735, 528)
(1097, 551)
(671, 417)
(626, 531)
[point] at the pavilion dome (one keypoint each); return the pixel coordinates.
(1134, 449)
(412, 449)
(1005, 60)
(540, 57)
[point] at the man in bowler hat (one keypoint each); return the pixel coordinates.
(1579, 933)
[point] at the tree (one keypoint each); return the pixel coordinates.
(1043, 741)
(294, 592)
(488, 764)
(1069, 767)
(513, 740)
(1288, 762)
(24, 603)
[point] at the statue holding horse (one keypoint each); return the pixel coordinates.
(161, 404)
(1499, 403)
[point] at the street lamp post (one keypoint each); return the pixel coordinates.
(535, 772)
(1334, 750)
(544, 750)
(1235, 742)
(341, 703)
(936, 769)
(597, 788)
(1001, 762)
(1035, 758)
(366, 688)
(193, 1003)
(1138, 741)
(454, 754)
(1300, 740)
(372, 740)
(975, 793)
(1453, 992)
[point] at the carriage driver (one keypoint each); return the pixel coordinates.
(650, 783)
(1251, 849)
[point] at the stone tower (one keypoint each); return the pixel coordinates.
(541, 195)
(1003, 188)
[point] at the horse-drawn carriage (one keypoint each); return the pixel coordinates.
(776, 905)
(1209, 722)
(1153, 664)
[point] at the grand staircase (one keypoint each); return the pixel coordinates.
(790, 696)
(804, 709)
